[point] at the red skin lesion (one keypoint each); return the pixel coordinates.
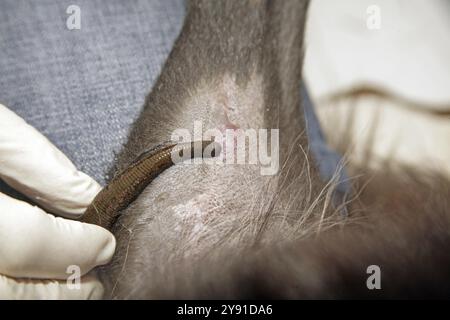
(227, 124)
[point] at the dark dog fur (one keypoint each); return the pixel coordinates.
(265, 237)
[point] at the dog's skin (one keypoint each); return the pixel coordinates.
(226, 231)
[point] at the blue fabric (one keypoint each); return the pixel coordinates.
(328, 160)
(83, 88)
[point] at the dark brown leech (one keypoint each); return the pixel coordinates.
(128, 184)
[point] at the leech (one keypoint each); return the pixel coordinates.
(128, 184)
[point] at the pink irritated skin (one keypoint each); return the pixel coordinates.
(224, 129)
(226, 106)
(228, 125)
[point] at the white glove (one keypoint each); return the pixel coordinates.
(38, 251)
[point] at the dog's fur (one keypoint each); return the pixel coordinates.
(228, 232)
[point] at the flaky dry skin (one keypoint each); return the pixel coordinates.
(226, 231)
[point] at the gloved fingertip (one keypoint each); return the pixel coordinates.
(107, 251)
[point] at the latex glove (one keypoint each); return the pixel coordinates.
(37, 248)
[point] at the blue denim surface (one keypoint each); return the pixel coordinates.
(83, 88)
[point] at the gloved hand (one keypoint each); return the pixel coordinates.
(39, 251)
